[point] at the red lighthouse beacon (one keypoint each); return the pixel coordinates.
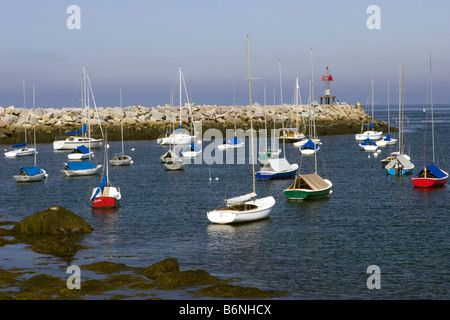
(326, 99)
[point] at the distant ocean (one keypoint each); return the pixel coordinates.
(317, 249)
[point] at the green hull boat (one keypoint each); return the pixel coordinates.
(308, 186)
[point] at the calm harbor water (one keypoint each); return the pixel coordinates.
(317, 249)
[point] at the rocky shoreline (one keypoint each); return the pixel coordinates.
(57, 231)
(149, 123)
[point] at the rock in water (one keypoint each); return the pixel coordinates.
(52, 221)
(159, 268)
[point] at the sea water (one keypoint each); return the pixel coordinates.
(319, 249)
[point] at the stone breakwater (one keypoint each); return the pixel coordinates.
(147, 123)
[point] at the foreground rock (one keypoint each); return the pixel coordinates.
(52, 221)
(55, 231)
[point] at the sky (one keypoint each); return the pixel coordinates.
(138, 46)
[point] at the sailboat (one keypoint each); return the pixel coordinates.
(431, 175)
(308, 186)
(310, 145)
(73, 140)
(21, 149)
(171, 160)
(387, 140)
(279, 167)
(105, 195)
(84, 168)
(309, 150)
(270, 152)
(368, 145)
(235, 142)
(191, 151)
(174, 164)
(29, 174)
(247, 207)
(401, 165)
(121, 159)
(371, 134)
(80, 153)
(276, 169)
(177, 136)
(291, 135)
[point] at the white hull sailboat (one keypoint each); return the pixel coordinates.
(80, 153)
(21, 150)
(278, 168)
(372, 135)
(401, 165)
(230, 144)
(30, 174)
(309, 148)
(256, 209)
(174, 164)
(235, 142)
(386, 141)
(369, 145)
(178, 136)
(191, 152)
(244, 208)
(369, 134)
(302, 142)
(73, 141)
(121, 159)
(83, 168)
(73, 169)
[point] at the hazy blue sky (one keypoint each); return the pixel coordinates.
(139, 46)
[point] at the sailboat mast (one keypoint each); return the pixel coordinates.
(234, 109)
(24, 106)
(373, 123)
(431, 104)
(403, 101)
(121, 122)
(86, 104)
(282, 111)
(34, 124)
(312, 101)
(251, 113)
(106, 157)
(399, 108)
(180, 96)
(389, 118)
(296, 102)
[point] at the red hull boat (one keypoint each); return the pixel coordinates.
(430, 176)
(105, 202)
